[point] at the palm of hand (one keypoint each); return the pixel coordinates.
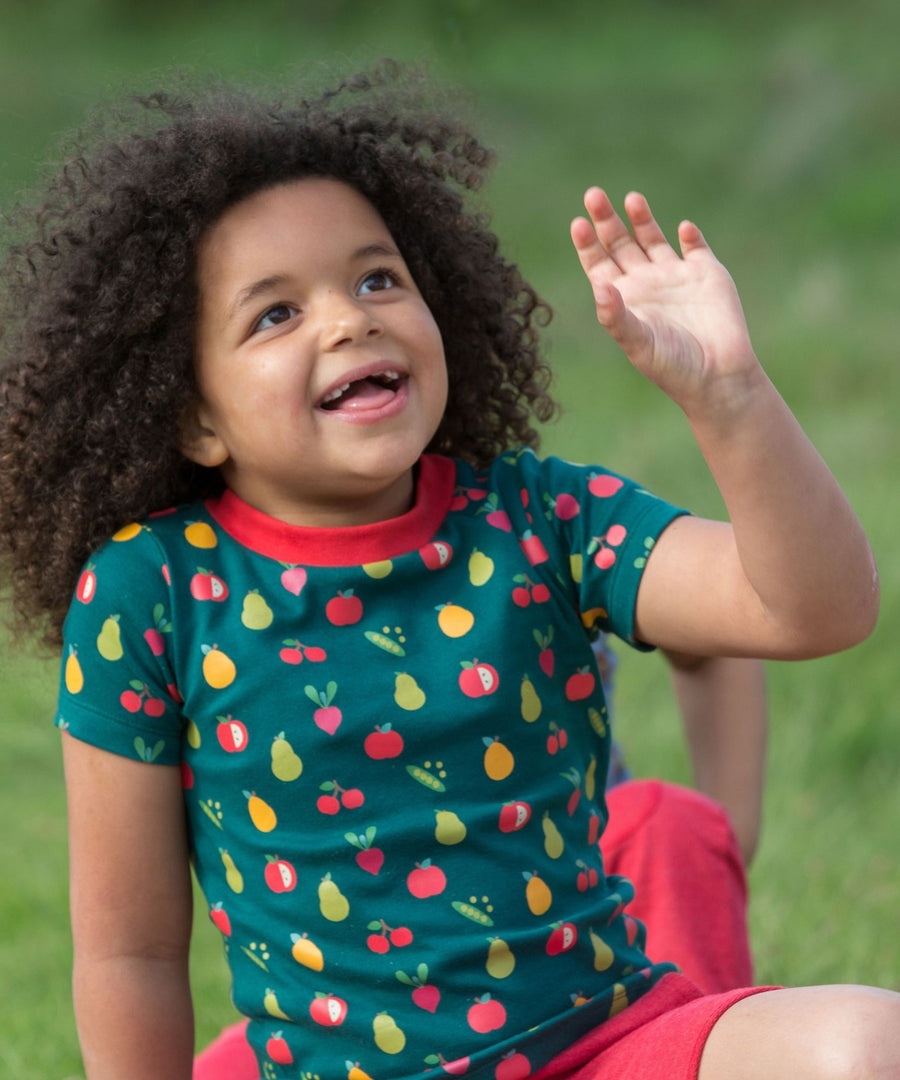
(678, 318)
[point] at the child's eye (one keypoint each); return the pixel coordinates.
(279, 313)
(378, 280)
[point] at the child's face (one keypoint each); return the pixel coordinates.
(320, 368)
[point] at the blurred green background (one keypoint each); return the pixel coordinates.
(775, 126)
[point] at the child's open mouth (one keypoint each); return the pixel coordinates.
(370, 394)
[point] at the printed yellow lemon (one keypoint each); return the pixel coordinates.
(455, 621)
(498, 760)
(74, 674)
(261, 814)
(200, 535)
(537, 895)
(127, 532)
(218, 668)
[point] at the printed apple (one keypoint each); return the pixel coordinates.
(562, 939)
(220, 918)
(514, 1066)
(205, 585)
(278, 1049)
(533, 547)
(436, 554)
(280, 875)
(87, 585)
(580, 685)
(486, 1015)
(383, 743)
(232, 734)
(514, 816)
(478, 679)
(604, 486)
(328, 1010)
(426, 880)
(345, 609)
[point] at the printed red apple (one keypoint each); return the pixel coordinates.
(436, 554)
(293, 578)
(459, 1067)
(478, 679)
(514, 816)
(205, 585)
(232, 734)
(328, 1010)
(278, 1049)
(533, 547)
(345, 609)
(514, 1066)
(383, 743)
(604, 486)
(580, 685)
(426, 880)
(220, 918)
(566, 507)
(486, 1015)
(87, 585)
(562, 938)
(280, 875)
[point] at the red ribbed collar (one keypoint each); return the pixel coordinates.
(350, 546)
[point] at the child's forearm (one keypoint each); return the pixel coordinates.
(134, 1018)
(723, 707)
(800, 544)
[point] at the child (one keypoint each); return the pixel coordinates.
(311, 677)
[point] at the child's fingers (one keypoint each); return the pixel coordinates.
(646, 230)
(691, 239)
(591, 253)
(611, 231)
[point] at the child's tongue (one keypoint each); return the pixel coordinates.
(360, 396)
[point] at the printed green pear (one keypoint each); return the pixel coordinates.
(500, 960)
(256, 613)
(388, 1037)
(335, 907)
(448, 828)
(109, 641)
(407, 692)
(286, 764)
(553, 841)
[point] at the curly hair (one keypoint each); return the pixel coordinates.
(99, 303)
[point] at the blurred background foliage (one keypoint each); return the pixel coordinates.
(775, 126)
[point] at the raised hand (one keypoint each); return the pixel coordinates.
(677, 317)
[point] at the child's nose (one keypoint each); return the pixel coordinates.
(345, 320)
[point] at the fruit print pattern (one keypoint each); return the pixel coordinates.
(392, 768)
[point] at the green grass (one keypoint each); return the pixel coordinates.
(774, 127)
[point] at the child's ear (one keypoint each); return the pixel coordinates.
(198, 440)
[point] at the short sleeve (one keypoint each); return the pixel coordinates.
(117, 687)
(604, 527)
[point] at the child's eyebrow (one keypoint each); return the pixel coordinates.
(251, 292)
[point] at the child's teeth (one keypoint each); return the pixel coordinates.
(336, 393)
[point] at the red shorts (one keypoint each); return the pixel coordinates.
(660, 1037)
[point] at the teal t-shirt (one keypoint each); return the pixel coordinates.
(393, 743)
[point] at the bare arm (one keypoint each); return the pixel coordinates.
(792, 574)
(723, 708)
(131, 916)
